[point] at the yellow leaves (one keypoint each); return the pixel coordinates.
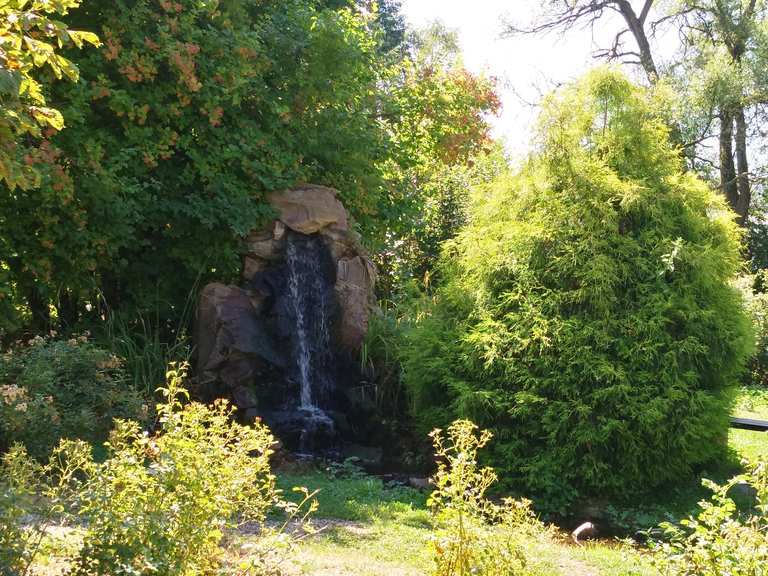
(79, 38)
(30, 40)
(49, 116)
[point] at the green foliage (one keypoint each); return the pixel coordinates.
(443, 191)
(437, 131)
(753, 289)
(161, 503)
(53, 389)
(757, 232)
(148, 344)
(476, 535)
(177, 128)
(190, 113)
(587, 315)
(31, 40)
(32, 497)
(720, 539)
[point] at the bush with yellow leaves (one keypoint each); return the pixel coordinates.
(475, 535)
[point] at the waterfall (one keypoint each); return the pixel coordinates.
(310, 295)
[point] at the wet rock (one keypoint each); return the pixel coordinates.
(419, 483)
(342, 243)
(252, 265)
(300, 315)
(244, 397)
(743, 494)
(263, 245)
(367, 456)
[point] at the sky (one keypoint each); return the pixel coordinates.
(526, 66)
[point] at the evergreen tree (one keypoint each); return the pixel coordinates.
(587, 314)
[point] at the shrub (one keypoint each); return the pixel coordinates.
(721, 540)
(52, 389)
(161, 503)
(32, 496)
(588, 315)
(476, 535)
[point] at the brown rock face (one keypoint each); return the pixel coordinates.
(316, 210)
(309, 209)
(232, 345)
(355, 280)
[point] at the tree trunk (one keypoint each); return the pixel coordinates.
(637, 27)
(68, 309)
(742, 165)
(728, 180)
(36, 302)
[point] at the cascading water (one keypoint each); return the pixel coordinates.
(310, 302)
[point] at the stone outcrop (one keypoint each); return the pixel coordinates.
(244, 333)
(316, 210)
(309, 209)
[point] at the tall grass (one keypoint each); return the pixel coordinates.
(148, 343)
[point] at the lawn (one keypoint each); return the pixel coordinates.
(371, 530)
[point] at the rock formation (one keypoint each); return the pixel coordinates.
(281, 344)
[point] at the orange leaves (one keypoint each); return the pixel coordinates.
(140, 68)
(99, 91)
(171, 7)
(183, 60)
(246, 53)
(149, 160)
(112, 46)
(214, 116)
(151, 44)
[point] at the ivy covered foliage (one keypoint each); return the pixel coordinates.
(587, 315)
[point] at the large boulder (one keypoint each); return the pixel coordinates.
(309, 209)
(233, 345)
(355, 281)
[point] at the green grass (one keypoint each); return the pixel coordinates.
(680, 500)
(375, 548)
(373, 530)
(616, 559)
(386, 531)
(752, 403)
(362, 499)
